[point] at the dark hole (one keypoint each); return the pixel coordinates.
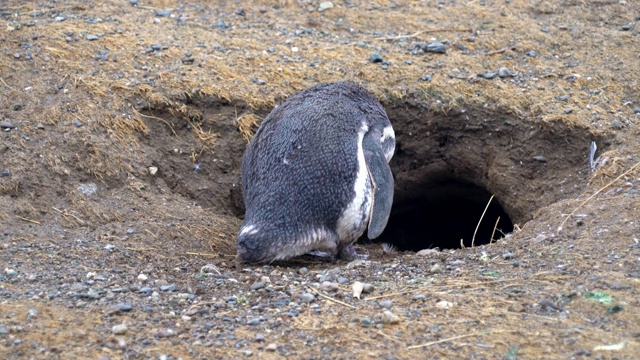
(441, 213)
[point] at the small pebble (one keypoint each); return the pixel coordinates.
(532, 54)
(257, 286)
(366, 322)
(165, 333)
(504, 72)
(124, 307)
(375, 58)
(325, 5)
(329, 286)
(626, 27)
(507, 256)
(17, 107)
(307, 298)
(254, 321)
(426, 78)
(5, 173)
(172, 287)
(562, 98)
(367, 288)
(271, 347)
(40, 127)
(435, 47)
(259, 337)
(133, 2)
(489, 75)
(6, 125)
(616, 125)
(385, 304)
(240, 11)
(119, 329)
(540, 158)
(142, 277)
(78, 123)
(303, 270)
(568, 111)
(163, 13)
(92, 37)
(389, 318)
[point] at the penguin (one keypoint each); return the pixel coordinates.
(316, 175)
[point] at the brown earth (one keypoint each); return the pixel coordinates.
(123, 130)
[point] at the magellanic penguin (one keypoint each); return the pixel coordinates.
(316, 175)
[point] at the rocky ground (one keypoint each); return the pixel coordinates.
(123, 126)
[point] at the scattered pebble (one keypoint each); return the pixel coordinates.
(532, 54)
(435, 47)
(627, 27)
(426, 78)
(329, 286)
(540, 158)
(271, 347)
(142, 277)
(172, 287)
(325, 5)
(375, 58)
(303, 270)
(240, 11)
(163, 13)
(504, 72)
(507, 255)
(385, 304)
(6, 125)
(78, 123)
(257, 286)
(5, 173)
(119, 329)
(367, 288)
(17, 107)
(389, 318)
(307, 298)
(153, 170)
(616, 124)
(568, 111)
(124, 307)
(489, 75)
(92, 37)
(444, 304)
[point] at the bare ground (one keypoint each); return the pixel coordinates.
(123, 130)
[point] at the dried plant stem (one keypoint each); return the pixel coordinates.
(473, 239)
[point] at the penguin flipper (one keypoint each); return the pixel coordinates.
(382, 181)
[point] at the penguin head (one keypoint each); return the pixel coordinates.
(254, 246)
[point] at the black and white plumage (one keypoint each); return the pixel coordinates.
(316, 175)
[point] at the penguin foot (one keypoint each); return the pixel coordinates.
(348, 253)
(321, 254)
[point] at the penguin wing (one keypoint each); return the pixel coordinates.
(382, 181)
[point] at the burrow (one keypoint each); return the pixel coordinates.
(460, 177)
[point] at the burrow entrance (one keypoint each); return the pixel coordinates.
(447, 167)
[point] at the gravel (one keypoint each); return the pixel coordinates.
(375, 58)
(435, 47)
